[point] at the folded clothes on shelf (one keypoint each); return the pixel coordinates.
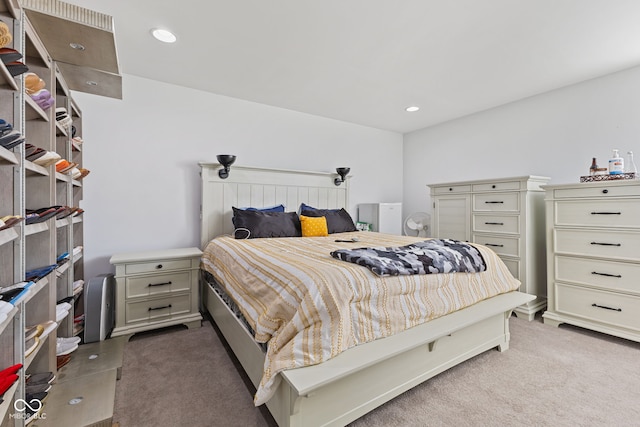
(63, 118)
(12, 294)
(10, 221)
(5, 308)
(47, 159)
(11, 139)
(5, 127)
(62, 258)
(9, 55)
(40, 272)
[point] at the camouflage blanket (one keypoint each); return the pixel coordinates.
(428, 257)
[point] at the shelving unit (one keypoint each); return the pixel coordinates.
(27, 185)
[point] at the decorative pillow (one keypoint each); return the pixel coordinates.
(277, 208)
(313, 226)
(255, 224)
(338, 220)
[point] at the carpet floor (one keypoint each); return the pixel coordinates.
(550, 376)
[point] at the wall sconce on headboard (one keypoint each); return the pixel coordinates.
(343, 172)
(226, 160)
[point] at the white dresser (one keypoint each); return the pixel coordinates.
(593, 256)
(504, 214)
(156, 289)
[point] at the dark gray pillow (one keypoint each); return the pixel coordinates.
(338, 220)
(256, 224)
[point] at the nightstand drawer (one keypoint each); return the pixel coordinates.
(143, 286)
(501, 245)
(497, 202)
(606, 307)
(159, 265)
(145, 311)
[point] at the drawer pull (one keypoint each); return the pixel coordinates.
(492, 244)
(494, 223)
(488, 201)
(607, 274)
(159, 284)
(606, 213)
(606, 244)
(605, 307)
(159, 308)
(159, 266)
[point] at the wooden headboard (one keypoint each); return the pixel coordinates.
(262, 187)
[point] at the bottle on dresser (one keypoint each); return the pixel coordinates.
(616, 164)
(630, 165)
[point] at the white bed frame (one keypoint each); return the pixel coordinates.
(362, 378)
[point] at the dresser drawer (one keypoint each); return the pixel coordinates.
(601, 306)
(601, 191)
(507, 246)
(598, 243)
(452, 189)
(599, 213)
(509, 224)
(514, 266)
(615, 276)
(497, 186)
(496, 202)
(157, 284)
(155, 309)
(156, 266)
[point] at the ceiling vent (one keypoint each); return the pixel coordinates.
(81, 41)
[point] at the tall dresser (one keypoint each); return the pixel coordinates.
(504, 214)
(593, 256)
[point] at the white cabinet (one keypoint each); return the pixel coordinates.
(156, 289)
(506, 215)
(384, 217)
(593, 256)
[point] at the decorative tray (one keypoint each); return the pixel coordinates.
(595, 178)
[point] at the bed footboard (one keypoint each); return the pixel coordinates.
(362, 378)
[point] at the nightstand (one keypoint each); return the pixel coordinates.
(156, 289)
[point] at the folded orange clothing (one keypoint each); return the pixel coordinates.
(61, 165)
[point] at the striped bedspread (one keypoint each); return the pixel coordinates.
(310, 307)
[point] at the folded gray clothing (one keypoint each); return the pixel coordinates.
(427, 257)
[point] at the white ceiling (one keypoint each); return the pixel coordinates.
(364, 61)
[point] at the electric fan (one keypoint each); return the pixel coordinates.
(418, 224)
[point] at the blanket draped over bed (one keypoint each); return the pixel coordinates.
(429, 256)
(310, 307)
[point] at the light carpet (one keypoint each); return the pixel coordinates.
(550, 376)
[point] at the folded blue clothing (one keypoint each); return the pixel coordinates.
(62, 257)
(39, 273)
(12, 294)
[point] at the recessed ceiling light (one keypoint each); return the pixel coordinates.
(163, 35)
(76, 46)
(412, 109)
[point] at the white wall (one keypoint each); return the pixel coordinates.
(555, 134)
(143, 192)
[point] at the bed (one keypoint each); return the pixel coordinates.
(344, 386)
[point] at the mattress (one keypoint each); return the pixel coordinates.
(309, 307)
